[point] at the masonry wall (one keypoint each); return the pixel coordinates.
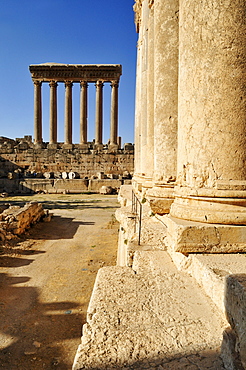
(86, 163)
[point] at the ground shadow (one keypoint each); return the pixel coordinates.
(31, 331)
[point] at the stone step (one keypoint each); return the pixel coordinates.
(150, 317)
(211, 271)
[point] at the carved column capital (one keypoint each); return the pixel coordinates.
(83, 84)
(68, 83)
(99, 84)
(53, 83)
(37, 82)
(114, 84)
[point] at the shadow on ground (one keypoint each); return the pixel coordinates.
(30, 331)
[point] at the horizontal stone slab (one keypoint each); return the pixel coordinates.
(198, 237)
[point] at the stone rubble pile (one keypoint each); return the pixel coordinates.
(15, 220)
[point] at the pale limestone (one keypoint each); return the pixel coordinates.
(146, 318)
(197, 237)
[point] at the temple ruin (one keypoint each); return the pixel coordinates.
(35, 165)
(184, 214)
(54, 73)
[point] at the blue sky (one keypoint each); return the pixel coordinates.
(69, 32)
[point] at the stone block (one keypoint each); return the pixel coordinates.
(235, 306)
(198, 237)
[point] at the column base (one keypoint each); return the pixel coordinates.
(52, 146)
(198, 237)
(38, 145)
(67, 146)
(113, 147)
(160, 198)
(98, 146)
(84, 148)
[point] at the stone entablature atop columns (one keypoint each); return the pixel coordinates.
(69, 74)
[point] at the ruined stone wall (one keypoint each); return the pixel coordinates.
(86, 163)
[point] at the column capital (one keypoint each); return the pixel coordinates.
(114, 84)
(37, 82)
(53, 83)
(83, 84)
(68, 83)
(99, 84)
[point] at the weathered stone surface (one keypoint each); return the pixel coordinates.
(15, 220)
(197, 237)
(146, 318)
(235, 306)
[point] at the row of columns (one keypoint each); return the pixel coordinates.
(68, 112)
(195, 121)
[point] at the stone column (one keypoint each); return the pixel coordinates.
(68, 112)
(150, 98)
(53, 112)
(166, 40)
(37, 112)
(83, 112)
(114, 113)
(212, 113)
(136, 182)
(99, 112)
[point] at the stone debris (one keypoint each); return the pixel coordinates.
(15, 220)
(106, 190)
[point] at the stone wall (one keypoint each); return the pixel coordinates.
(22, 157)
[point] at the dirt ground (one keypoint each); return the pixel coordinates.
(46, 279)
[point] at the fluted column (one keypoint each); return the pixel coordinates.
(68, 112)
(99, 112)
(114, 113)
(53, 112)
(37, 112)
(212, 113)
(83, 111)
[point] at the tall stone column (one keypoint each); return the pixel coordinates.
(68, 112)
(137, 179)
(37, 112)
(53, 112)
(212, 112)
(99, 112)
(212, 121)
(149, 168)
(83, 112)
(166, 41)
(114, 113)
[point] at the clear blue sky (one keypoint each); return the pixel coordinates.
(69, 32)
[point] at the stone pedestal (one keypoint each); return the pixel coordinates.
(160, 198)
(200, 237)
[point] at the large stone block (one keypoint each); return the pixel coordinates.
(198, 237)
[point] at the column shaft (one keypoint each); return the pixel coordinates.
(212, 113)
(166, 89)
(99, 113)
(114, 113)
(83, 112)
(53, 112)
(37, 111)
(68, 112)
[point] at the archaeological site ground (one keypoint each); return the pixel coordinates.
(170, 269)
